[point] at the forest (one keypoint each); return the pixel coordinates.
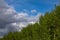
(47, 28)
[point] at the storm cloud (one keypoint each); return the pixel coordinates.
(11, 21)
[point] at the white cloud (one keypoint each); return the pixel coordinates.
(20, 15)
(33, 11)
(31, 22)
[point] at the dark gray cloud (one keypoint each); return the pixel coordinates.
(10, 20)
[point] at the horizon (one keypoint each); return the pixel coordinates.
(15, 14)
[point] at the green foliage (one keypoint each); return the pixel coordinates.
(48, 28)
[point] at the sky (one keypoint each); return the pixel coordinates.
(16, 14)
(39, 5)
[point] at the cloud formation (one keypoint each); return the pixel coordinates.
(10, 20)
(33, 11)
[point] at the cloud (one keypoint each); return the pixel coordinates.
(11, 21)
(33, 11)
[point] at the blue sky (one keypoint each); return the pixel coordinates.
(39, 5)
